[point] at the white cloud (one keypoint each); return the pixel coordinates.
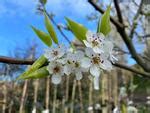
(72, 7)
(59, 7)
(17, 7)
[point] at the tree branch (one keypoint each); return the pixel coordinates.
(122, 66)
(118, 11)
(134, 24)
(10, 60)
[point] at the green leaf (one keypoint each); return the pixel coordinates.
(104, 25)
(43, 1)
(40, 73)
(43, 36)
(50, 29)
(36, 65)
(77, 29)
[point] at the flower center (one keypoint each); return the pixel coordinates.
(77, 64)
(55, 53)
(56, 69)
(95, 42)
(96, 60)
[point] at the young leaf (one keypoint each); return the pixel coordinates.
(77, 29)
(50, 29)
(43, 36)
(104, 25)
(36, 65)
(40, 73)
(43, 1)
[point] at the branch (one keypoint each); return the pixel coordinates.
(118, 11)
(146, 36)
(122, 66)
(10, 60)
(134, 24)
(58, 27)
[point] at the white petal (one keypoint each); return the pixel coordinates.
(50, 67)
(78, 75)
(108, 46)
(101, 36)
(62, 60)
(79, 55)
(89, 35)
(67, 69)
(96, 83)
(48, 54)
(89, 52)
(95, 70)
(106, 65)
(98, 50)
(87, 44)
(85, 62)
(56, 79)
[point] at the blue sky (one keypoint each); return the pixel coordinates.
(16, 16)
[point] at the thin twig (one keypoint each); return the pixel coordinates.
(134, 24)
(58, 27)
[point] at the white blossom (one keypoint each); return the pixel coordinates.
(56, 69)
(55, 53)
(73, 64)
(94, 41)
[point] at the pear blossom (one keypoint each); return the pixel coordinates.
(73, 64)
(95, 62)
(94, 41)
(57, 71)
(55, 53)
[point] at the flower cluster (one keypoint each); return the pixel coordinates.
(96, 58)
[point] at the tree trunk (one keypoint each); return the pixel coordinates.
(80, 96)
(90, 97)
(22, 103)
(36, 85)
(73, 96)
(66, 94)
(4, 99)
(47, 93)
(105, 93)
(54, 99)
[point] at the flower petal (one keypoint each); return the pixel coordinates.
(67, 69)
(106, 65)
(89, 35)
(95, 70)
(56, 79)
(85, 62)
(87, 44)
(89, 52)
(78, 75)
(96, 83)
(79, 55)
(108, 46)
(50, 67)
(97, 49)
